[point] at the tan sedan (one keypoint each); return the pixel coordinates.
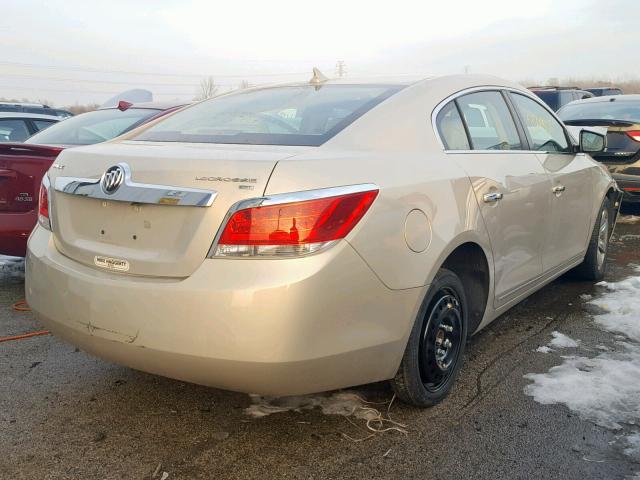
(313, 236)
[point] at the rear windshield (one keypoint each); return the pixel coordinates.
(93, 127)
(627, 111)
(291, 115)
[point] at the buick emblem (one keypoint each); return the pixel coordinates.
(112, 179)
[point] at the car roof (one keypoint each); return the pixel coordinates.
(151, 105)
(470, 80)
(35, 116)
(610, 98)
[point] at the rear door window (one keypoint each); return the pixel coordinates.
(544, 131)
(13, 130)
(489, 122)
(451, 128)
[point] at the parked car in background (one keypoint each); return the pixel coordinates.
(604, 91)
(17, 127)
(34, 108)
(620, 115)
(22, 165)
(292, 239)
(557, 97)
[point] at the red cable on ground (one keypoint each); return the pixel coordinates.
(22, 306)
(25, 335)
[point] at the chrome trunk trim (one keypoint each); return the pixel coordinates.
(132, 192)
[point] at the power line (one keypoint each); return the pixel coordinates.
(108, 92)
(114, 82)
(156, 74)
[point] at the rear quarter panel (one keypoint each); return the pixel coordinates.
(394, 146)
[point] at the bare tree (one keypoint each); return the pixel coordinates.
(208, 89)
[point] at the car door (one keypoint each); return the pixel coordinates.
(570, 193)
(510, 184)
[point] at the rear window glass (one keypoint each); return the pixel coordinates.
(452, 129)
(93, 127)
(293, 115)
(607, 110)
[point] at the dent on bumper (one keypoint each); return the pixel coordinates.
(278, 327)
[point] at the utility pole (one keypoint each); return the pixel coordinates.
(341, 68)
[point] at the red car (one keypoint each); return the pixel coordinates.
(22, 165)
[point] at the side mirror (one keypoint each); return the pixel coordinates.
(592, 142)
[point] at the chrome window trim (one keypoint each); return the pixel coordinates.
(132, 192)
(491, 88)
(281, 198)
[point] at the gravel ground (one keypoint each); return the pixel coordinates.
(67, 415)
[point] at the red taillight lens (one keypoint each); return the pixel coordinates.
(43, 204)
(296, 228)
(635, 135)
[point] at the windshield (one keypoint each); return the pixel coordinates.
(292, 115)
(628, 111)
(92, 127)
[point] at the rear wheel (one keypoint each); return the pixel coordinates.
(433, 355)
(595, 261)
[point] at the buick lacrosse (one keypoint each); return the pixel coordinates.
(306, 237)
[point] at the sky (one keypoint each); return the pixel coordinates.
(79, 51)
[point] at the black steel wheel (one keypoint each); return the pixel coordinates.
(433, 355)
(441, 339)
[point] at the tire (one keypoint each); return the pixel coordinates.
(594, 265)
(429, 366)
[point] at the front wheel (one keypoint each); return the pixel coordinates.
(433, 355)
(595, 261)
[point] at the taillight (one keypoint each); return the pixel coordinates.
(279, 227)
(43, 204)
(635, 135)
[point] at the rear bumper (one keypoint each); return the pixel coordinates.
(277, 327)
(630, 186)
(15, 229)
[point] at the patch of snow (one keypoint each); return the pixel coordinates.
(11, 268)
(621, 307)
(544, 349)
(560, 340)
(604, 389)
(633, 446)
(340, 403)
(586, 297)
(628, 219)
(624, 238)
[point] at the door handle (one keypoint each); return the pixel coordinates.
(492, 197)
(558, 189)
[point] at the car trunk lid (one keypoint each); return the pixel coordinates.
(621, 148)
(163, 239)
(21, 170)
